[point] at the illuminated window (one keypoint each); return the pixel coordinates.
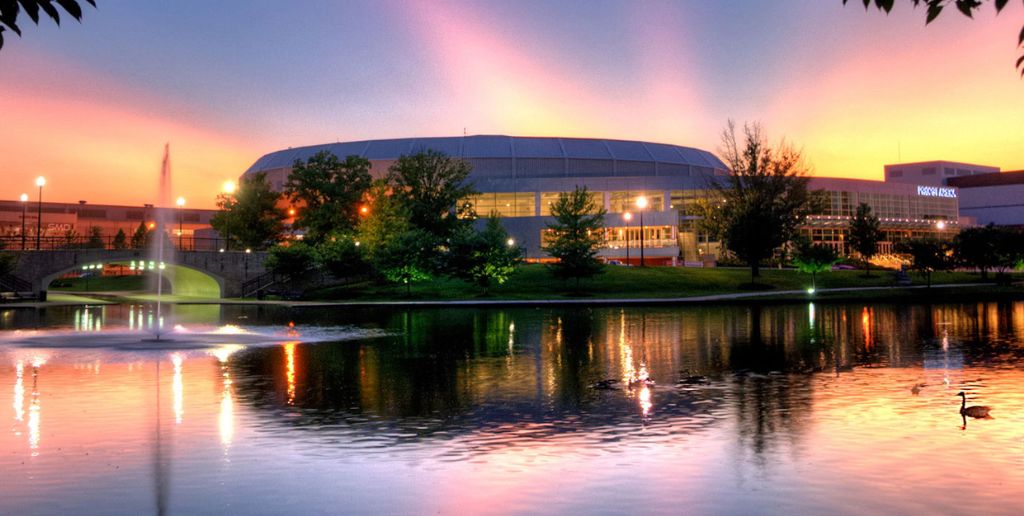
(619, 202)
(549, 198)
(506, 204)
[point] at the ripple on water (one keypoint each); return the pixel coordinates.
(405, 425)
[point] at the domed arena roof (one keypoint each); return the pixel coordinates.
(494, 155)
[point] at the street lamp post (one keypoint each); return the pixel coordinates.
(24, 215)
(246, 280)
(229, 189)
(641, 203)
(181, 204)
(627, 217)
(40, 182)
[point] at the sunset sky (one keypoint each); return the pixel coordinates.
(91, 105)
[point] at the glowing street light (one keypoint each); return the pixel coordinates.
(40, 182)
(24, 214)
(181, 204)
(940, 225)
(511, 242)
(641, 203)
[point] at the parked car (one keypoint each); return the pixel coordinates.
(843, 267)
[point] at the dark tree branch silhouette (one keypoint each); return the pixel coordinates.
(11, 9)
(935, 7)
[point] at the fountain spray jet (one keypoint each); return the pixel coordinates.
(157, 249)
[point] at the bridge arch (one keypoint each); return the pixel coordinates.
(183, 280)
(207, 274)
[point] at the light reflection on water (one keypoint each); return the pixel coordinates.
(782, 409)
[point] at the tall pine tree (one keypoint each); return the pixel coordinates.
(575, 235)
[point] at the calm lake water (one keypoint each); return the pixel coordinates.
(792, 409)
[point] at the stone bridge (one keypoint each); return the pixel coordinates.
(208, 274)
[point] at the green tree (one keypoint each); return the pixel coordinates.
(811, 258)
(764, 199)
(433, 188)
(405, 258)
(486, 257)
(250, 218)
(935, 7)
(575, 235)
(978, 248)
(291, 260)
(341, 256)
(329, 193)
(1010, 249)
(865, 232)
(95, 240)
(10, 9)
(386, 218)
(395, 249)
(120, 240)
(926, 256)
(139, 237)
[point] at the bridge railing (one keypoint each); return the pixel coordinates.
(74, 242)
(12, 283)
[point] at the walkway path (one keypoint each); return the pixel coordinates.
(622, 301)
(736, 296)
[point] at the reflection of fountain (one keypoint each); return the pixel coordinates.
(160, 474)
(178, 389)
(34, 410)
(19, 393)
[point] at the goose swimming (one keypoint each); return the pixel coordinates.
(975, 411)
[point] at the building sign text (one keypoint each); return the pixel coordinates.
(936, 191)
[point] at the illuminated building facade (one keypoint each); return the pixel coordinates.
(520, 177)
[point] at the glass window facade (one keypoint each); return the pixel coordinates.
(891, 206)
(506, 204)
(549, 198)
(619, 202)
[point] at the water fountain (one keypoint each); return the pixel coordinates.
(160, 235)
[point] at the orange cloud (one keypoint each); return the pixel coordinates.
(103, 142)
(948, 94)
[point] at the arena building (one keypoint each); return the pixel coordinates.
(519, 177)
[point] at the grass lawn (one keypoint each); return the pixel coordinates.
(101, 284)
(536, 282)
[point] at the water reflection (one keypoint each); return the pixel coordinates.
(178, 388)
(289, 353)
(89, 318)
(722, 408)
(226, 416)
(19, 392)
(34, 412)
